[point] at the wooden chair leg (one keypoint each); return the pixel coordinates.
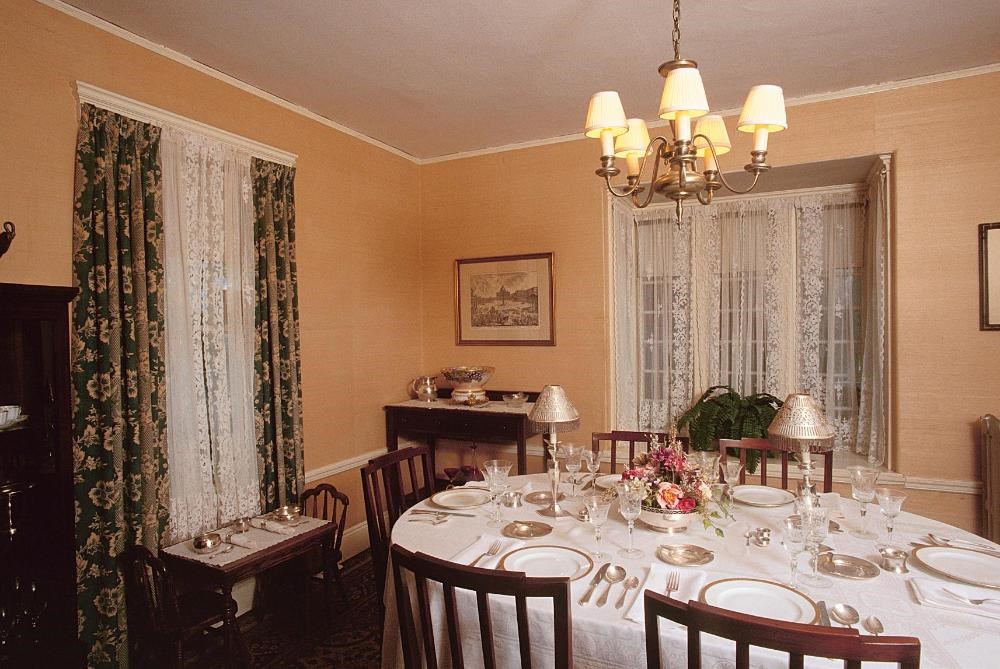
(340, 584)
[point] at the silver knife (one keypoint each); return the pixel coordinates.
(593, 583)
(824, 615)
(445, 513)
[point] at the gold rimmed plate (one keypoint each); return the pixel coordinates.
(548, 561)
(961, 564)
(541, 497)
(846, 566)
(461, 498)
(526, 529)
(757, 597)
(762, 496)
(684, 555)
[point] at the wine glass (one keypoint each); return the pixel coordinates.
(891, 502)
(571, 460)
(793, 538)
(592, 458)
(451, 473)
(708, 464)
(630, 496)
(732, 473)
(495, 472)
(597, 513)
(815, 528)
(863, 491)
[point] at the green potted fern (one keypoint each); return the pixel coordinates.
(723, 413)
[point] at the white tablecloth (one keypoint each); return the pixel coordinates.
(603, 638)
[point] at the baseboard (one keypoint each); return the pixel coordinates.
(355, 540)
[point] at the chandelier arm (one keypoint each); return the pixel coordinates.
(656, 172)
(705, 197)
(630, 190)
(722, 177)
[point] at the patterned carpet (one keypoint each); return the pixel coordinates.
(352, 639)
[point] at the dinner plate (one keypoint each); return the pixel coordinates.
(607, 481)
(762, 496)
(548, 561)
(461, 498)
(962, 564)
(757, 597)
(846, 566)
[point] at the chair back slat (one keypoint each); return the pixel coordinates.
(743, 446)
(326, 502)
(427, 631)
(486, 625)
(482, 582)
(796, 639)
(796, 661)
(629, 442)
(387, 497)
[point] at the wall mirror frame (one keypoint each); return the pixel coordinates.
(989, 276)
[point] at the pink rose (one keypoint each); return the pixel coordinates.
(667, 495)
(687, 504)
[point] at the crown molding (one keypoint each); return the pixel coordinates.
(140, 111)
(179, 57)
(187, 61)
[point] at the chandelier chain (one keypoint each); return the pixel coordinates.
(677, 30)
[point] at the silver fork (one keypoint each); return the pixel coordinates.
(673, 583)
(969, 600)
(493, 550)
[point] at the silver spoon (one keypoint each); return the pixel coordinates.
(845, 614)
(614, 574)
(873, 625)
(222, 552)
(632, 582)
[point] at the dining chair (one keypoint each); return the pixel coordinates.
(764, 446)
(391, 484)
(417, 643)
(161, 622)
(619, 439)
(326, 502)
(796, 639)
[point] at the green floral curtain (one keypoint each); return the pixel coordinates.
(276, 360)
(118, 367)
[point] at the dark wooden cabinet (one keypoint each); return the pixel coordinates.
(37, 544)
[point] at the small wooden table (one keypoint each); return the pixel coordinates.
(437, 420)
(205, 574)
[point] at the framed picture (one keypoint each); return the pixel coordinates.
(989, 276)
(505, 300)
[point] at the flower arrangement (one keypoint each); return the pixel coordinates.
(671, 482)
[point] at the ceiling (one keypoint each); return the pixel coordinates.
(438, 77)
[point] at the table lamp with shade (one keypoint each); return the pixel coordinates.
(554, 413)
(801, 426)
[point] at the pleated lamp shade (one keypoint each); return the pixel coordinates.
(764, 108)
(605, 113)
(714, 128)
(684, 92)
(553, 409)
(800, 420)
(634, 142)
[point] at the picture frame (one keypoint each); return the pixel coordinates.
(505, 300)
(989, 276)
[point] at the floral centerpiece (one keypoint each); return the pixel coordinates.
(674, 487)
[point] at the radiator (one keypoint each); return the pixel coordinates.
(989, 430)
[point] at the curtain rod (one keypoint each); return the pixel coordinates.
(140, 111)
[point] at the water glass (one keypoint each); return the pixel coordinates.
(708, 463)
(495, 472)
(597, 514)
(815, 527)
(863, 481)
(630, 496)
(571, 460)
(793, 538)
(891, 501)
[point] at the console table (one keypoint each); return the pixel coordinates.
(442, 419)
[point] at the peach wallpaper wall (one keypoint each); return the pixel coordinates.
(378, 236)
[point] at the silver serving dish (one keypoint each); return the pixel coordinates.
(515, 399)
(684, 555)
(240, 525)
(206, 543)
(526, 529)
(286, 514)
(846, 566)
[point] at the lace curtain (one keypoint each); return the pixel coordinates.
(766, 294)
(209, 268)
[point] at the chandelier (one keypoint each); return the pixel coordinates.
(683, 100)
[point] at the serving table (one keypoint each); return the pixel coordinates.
(223, 571)
(608, 638)
(441, 419)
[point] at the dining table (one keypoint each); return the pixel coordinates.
(952, 633)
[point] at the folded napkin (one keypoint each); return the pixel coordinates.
(929, 593)
(242, 540)
(691, 583)
(272, 526)
(481, 545)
